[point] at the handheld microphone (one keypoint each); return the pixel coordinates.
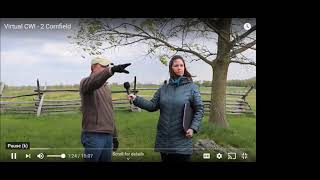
(126, 85)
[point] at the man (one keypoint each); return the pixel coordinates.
(98, 126)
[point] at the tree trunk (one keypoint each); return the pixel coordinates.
(219, 76)
(218, 95)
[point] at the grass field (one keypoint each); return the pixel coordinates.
(60, 133)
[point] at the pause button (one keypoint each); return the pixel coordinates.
(13, 155)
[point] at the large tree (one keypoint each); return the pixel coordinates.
(216, 41)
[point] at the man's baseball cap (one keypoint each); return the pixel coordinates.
(102, 61)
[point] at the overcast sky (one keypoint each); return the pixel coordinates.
(48, 55)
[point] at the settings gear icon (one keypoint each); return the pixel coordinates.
(219, 156)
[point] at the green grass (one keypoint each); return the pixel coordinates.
(137, 131)
(136, 134)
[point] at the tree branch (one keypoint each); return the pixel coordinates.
(212, 25)
(239, 38)
(166, 44)
(241, 62)
(125, 44)
(243, 48)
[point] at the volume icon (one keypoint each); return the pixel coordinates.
(40, 156)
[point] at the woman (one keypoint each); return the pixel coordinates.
(173, 143)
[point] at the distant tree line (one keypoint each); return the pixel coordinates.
(238, 83)
(243, 83)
